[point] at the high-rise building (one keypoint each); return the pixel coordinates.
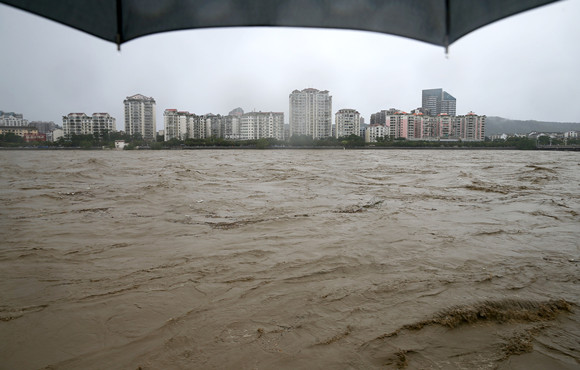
(437, 101)
(103, 122)
(311, 113)
(347, 122)
(43, 126)
(140, 116)
(472, 127)
(257, 125)
(76, 124)
(82, 124)
(213, 125)
(175, 124)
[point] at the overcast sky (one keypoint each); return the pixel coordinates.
(524, 67)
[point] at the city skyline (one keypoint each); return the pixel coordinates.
(506, 69)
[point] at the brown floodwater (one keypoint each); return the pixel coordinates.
(289, 259)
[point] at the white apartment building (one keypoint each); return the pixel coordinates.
(82, 124)
(77, 124)
(213, 125)
(257, 125)
(55, 134)
(140, 116)
(103, 122)
(231, 125)
(347, 122)
(196, 128)
(311, 113)
(175, 124)
(375, 131)
(12, 119)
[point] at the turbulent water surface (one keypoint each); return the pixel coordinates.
(289, 259)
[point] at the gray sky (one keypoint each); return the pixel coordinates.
(524, 67)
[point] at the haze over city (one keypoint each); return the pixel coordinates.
(523, 67)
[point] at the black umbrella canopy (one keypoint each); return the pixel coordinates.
(439, 22)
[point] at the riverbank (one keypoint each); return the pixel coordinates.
(550, 148)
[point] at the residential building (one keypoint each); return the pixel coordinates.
(417, 126)
(213, 125)
(196, 128)
(103, 122)
(445, 126)
(175, 124)
(55, 134)
(140, 116)
(231, 124)
(311, 113)
(77, 124)
(43, 126)
(375, 131)
(398, 124)
(381, 117)
(82, 124)
(472, 127)
(347, 122)
(437, 101)
(429, 129)
(18, 130)
(12, 119)
(257, 125)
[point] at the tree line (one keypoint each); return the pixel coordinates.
(107, 140)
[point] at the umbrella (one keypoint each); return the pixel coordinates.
(439, 22)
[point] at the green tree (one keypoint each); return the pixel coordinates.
(301, 140)
(262, 143)
(543, 140)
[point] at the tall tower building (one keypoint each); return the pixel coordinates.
(437, 101)
(140, 116)
(347, 122)
(311, 113)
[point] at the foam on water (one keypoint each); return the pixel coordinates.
(289, 259)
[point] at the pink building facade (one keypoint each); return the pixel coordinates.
(417, 126)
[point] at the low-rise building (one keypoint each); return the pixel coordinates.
(34, 137)
(375, 131)
(55, 134)
(571, 135)
(18, 130)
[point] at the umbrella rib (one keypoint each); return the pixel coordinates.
(119, 25)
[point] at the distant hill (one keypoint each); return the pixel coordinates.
(499, 125)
